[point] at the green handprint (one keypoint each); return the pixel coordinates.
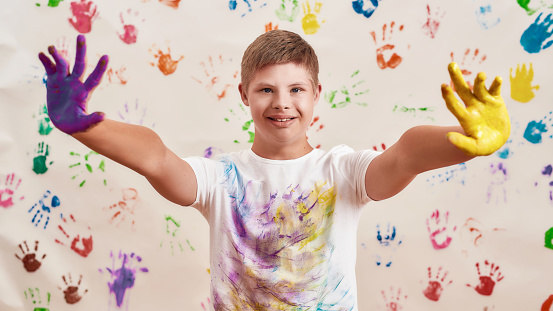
(172, 226)
(44, 124)
(347, 93)
(284, 8)
(40, 161)
(34, 296)
(86, 163)
(246, 126)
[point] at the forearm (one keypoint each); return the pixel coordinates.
(425, 148)
(136, 147)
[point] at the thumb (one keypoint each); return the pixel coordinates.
(464, 143)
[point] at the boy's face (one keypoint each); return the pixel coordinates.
(281, 99)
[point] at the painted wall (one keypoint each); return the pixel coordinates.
(475, 236)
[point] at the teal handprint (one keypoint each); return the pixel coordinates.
(534, 38)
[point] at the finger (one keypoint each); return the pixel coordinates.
(479, 89)
(94, 79)
(61, 64)
(495, 88)
(47, 63)
(463, 143)
(461, 86)
(92, 119)
(80, 62)
(458, 109)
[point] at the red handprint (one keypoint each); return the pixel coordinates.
(80, 245)
(433, 22)
(435, 286)
(125, 207)
(84, 12)
(395, 298)
(11, 184)
(487, 282)
(466, 63)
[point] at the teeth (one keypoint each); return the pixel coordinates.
(282, 120)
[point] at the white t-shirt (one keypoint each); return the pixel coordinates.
(283, 232)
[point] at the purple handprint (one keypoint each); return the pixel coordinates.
(66, 94)
(533, 39)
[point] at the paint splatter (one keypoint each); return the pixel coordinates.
(288, 10)
(384, 47)
(35, 297)
(534, 38)
(80, 243)
(209, 152)
(365, 7)
(521, 84)
(206, 306)
(310, 21)
(456, 173)
(130, 32)
(433, 21)
(315, 126)
(488, 278)
(470, 59)
(215, 78)
(247, 126)
(171, 3)
(134, 114)
(117, 76)
(422, 112)
(165, 62)
(439, 229)
(43, 208)
(40, 160)
(395, 300)
(84, 13)
(382, 147)
(8, 191)
(486, 12)
(269, 27)
(172, 226)
(90, 162)
(246, 6)
(535, 130)
(547, 172)
(348, 94)
(388, 242)
(436, 284)
(474, 233)
(71, 292)
(123, 211)
(29, 258)
(44, 123)
(123, 278)
(546, 306)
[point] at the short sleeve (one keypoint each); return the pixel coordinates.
(201, 167)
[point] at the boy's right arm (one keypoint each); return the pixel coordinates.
(133, 146)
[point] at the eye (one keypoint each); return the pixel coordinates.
(266, 90)
(295, 90)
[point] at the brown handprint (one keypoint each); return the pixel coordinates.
(80, 245)
(84, 13)
(71, 291)
(436, 285)
(487, 281)
(29, 259)
(11, 184)
(387, 48)
(165, 62)
(466, 64)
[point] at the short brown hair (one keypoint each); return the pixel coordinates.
(279, 47)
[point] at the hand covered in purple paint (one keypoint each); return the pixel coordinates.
(483, 116)
(66, 94)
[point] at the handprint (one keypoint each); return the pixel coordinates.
(348, 94)
(89, 163)
(30, 259)
(44, 124)
(521, 84)
(134, 114)
(438, 230)
(40, 160)
(66, 94)
(43, 208)
(124, 209)
(486, 13)
(365, 7)
(394, 302)
(214, 79)
(468, 61)
(525, 4)
(496, 188)
(284, 12)
(82, 245)
(433, 22)
(8, 190)
(171, 228)
(247, 126)
(534, 38)
(310, 22)
(36, 299)
(388, 243)
(130, 32)
(547, 171)
(165, 62)
(84, 13)
(473, 232)
(71, 291)
(483, 116)
(233, 4)
(436, 284)
(536, 128)
(386, 48)
(413, 111)
(488, 279)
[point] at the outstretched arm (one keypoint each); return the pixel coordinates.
(133, 146)
(485, 127)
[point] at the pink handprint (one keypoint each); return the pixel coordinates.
(130, 32)
(488, 281)
(84, 13)
(79, 244)
(11, 184)
(436, 285)
(394, 303)
(385, 48)
(439, 231)
(432, 22)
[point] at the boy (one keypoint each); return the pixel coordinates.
(283, 216)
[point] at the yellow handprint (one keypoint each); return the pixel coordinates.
(521, 84)
(484, 117)
(309, 22)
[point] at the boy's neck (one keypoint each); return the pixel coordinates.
(281, 151)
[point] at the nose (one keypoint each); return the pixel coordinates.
(281, 101)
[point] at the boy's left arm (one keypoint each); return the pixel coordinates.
(485, 127)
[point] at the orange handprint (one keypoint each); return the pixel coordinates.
(165, 62)
(386, 48)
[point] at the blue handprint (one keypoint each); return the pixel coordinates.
(233, 4)
(368, 10)
(533, 39)
(388, 243)
(43, 209)
(535, 129)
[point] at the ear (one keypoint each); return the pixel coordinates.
(317, 94)
(243, 95)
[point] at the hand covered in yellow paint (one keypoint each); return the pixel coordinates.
(483, 116)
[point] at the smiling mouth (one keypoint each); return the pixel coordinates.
(281, 120)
